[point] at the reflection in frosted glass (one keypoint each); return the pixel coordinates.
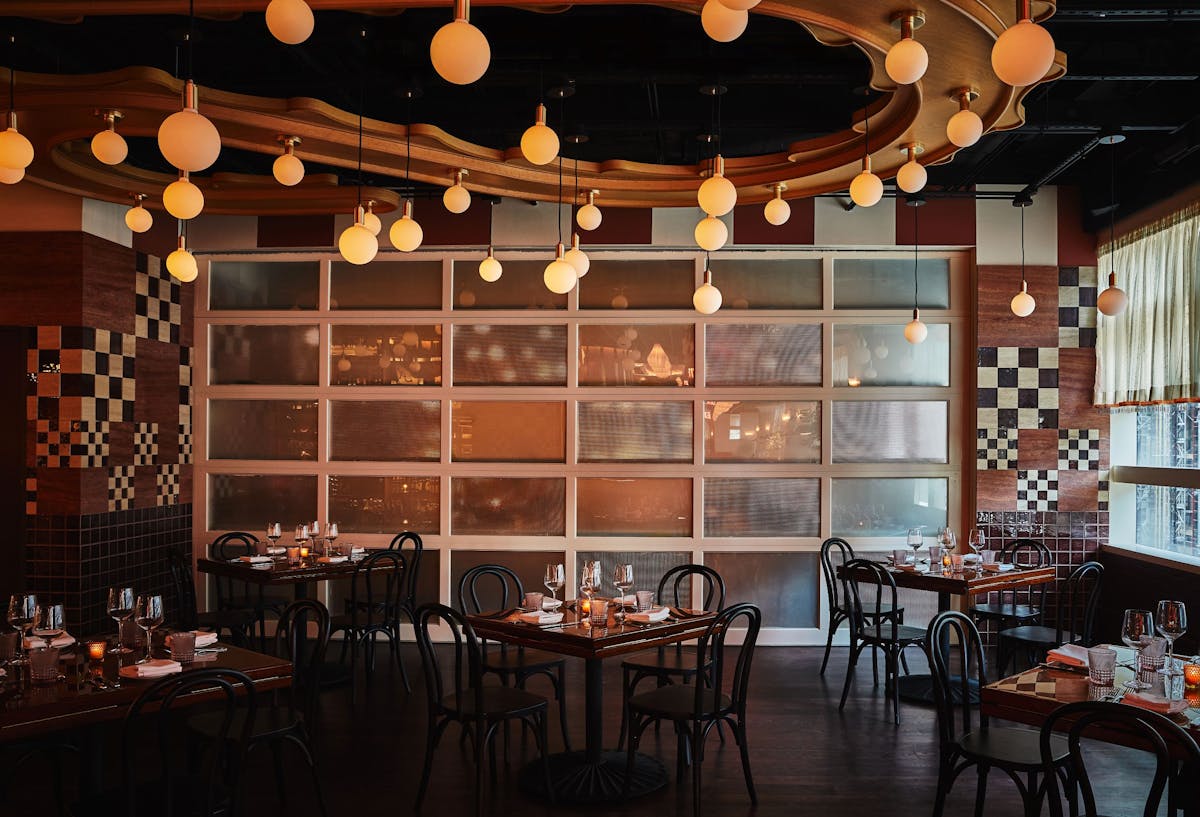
(488, 355)
(393, 355)
(762, 283)
(763, 354)
(263, 285)
(648, 568)
(386, 285)
(520, 287)
(785, 586)
(887, 283)
(638, 284)
(385, 431)
(509, 431)
(638, 355)
(634, 507)
(264, 355)
(364, 504)
(262, 429)
(249, 501)
(762, 431)
(887, 507)
(499, 506)
(762, 507)
(635, 431)
(879, 431)
(878, 355)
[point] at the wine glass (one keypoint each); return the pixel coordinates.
(50, 624)
(915, 540)
(331, 535)
(301, 535)
(948, 540)
(274, 532)
(977, 540)
(589, 578)
(622, 580)
(554, 579)
(22, 614)
(149, 614)
(1137, 624)
(1172, 623)
(120, 608)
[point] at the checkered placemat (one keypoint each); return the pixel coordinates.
(1036, 682)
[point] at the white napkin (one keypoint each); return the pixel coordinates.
(331, 560)
(155, 668)
(35, 643)
(541, 617)
(276, 550)
(203, 638)
(652, 615)
(254, 560)
(551, 604)
(1153, 702)
(1071, 654)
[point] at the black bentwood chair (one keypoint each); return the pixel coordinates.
(373, 609)
(412, 558)
(463, 699)
(1022, 605)
(1078, 598)
(696, 708)
(240, 597)
(956, 659)
(1153, 733)
(836, 553)
(238, 623)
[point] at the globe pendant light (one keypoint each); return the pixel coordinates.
(357, 244)
(457, 198)
(138, 218)
(182, 199)
(717, 195)
(965, 127)
(186, 138)
(288, 170)
(459, 51)
(290, 21)
(711, 233)
(1024, 53)
(912, 176)
(1022, 304)
(490, 269)
(539, 143)
(108, 146)
(589, 215)
(907, 60)
(777, 211)
(370, 220)
(915, 330)
(706, 298)
(10, 176)
(866, 189)
(406, 234)
(577, 258)
(722, 23)
(181, 263)
(740, 5)
(560, 276)
(1113, 300)
(16, 152)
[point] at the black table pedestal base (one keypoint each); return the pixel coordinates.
(918, 689)
(578, 781)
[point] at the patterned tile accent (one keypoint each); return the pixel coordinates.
(145, 444)
(167, 482)
(120, 488)
(185, 376)
(996, 449)
(158, 297)
(1017, 387)
(185, 444)
(31, 492)
(1102, 492)
(1079, 449)
(1037, 490)
(105, 380)
(1077, 292)
(77, 444)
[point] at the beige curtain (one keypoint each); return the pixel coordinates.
(1150, 353)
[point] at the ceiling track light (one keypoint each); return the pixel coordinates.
(539, 143)
(1022, 304)
(181, 263)
(490, 269)
(183, 199)
(290, 21)
(457, 198)
(912, 176)
(907, 60)
(707, 298)
(589, 216)
(965, 127)
(108, 146)
(1024, 53)
(138, 218)
(288, 170)
(459, 51)
(777, 211)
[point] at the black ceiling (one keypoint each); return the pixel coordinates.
(637, 71)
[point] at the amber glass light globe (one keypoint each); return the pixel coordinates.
(109, 147)
(183, 199)
(288, 170)
(711, 233)
(357, 245)
(578, 259)
(717, 195)
(490, 269)
(915, 331)
(1022, 304)
(912, 176)
(10, 175)
(560, 276)
(290, 21)
(964, 128)
(589, 217)
(1113, 300)
(372, 223)
(866, 190)
(189, 141)
(139, 219)
(406, 233)
(777, 212)
(722, 23)
(539, 144)
(740, 5)
(457, 199)
(1023, 54)
(16, 152)
(182, 265)
(459, 52)
(906, 61)
(706, 299)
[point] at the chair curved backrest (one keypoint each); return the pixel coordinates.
(955, 652)
(711, 647)
(226, 547)
(498, 577)
(226, 691)
(413, 559)
(1078, 598)
(835, 553)
(180, 568)
(465, 667)
(678, 579)
(1156, 734)
(1026, 553)
(864, 571)
(300, 620)
(376, 591)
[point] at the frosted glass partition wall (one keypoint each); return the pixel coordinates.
(506, 423)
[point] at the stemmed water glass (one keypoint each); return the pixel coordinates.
(590, 579)
(1136, 626)
(915, 540)
(555, 577)
(22, 615)
(51, 623)
(976, 540)
(120, 608)
(274, 532)
(1172, 623)
(331, 535)
(622, 580)
(148, 616)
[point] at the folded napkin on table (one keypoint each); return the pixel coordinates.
(541, 617)
(254, 560)
(203, 638)
(154, 668)
(1155, 703)
(36, 643)
(332, 560)
(651, 615)
(972, 557)
(276, 550)
(551, 604)
(1071, 654)
(626, 601)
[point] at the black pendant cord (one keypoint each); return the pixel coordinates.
(12, 73)
(362, 104)
(408, 151)
(575, 200)
(191, 39)
(560, 194)
(916, 252)
(1112, 209)
(1022, 248)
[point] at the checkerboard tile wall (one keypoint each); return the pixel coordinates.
(1037, 490)
(1079, 449)
(145, 444)
(31, 492)
(1077, 292)
(996, 449)
(157, 302)
(120, 488)
(1102, 491)
(71, 444)
(106, 378)
(1017, 387)
(168, 485)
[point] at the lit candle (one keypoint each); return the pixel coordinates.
(1191, 674)
(585, 609)
(96, 650)
(946, 560)
(303, 552)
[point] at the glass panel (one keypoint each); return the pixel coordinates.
(638, 355)
(762, 507)
(634, 507)
(785, 586)
(486, 355)
(264, 355)
(881, 431)
(520, 287)
(1168, 518)
(428, 581)
(640, 284)
(403, 285)
(887, 283)
(393, 355)
(1168, 436)
(648, 569)
(250, 501)
(878, 355)
(508, 431)
(498, 506)
(758, 283)
(763, 354)
(385, 430)
(762, 431)
(628, 431)
(263, 285)
(887, 507)
(363, 504)
(530, 568)
(262, 429)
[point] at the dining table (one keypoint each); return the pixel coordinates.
(594, 774)
(278, 573)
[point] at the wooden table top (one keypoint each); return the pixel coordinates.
(73, 703)
(280, 572)
(967, 582)
(584, 641)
